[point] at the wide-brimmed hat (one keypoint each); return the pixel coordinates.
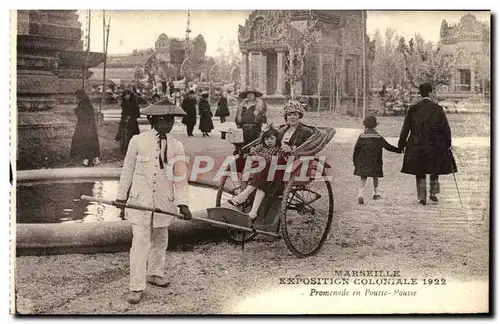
(163, 108)
(243, 94)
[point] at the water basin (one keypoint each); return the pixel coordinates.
(59, 201)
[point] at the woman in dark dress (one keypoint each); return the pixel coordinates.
(222, 109)
(128, 123)
(206, 124)
(85, 143)
(251, 114)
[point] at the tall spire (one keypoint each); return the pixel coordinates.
(188, 31)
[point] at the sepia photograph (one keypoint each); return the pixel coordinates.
(250, 162)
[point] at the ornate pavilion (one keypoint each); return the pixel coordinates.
(469, 42)
(263, 48)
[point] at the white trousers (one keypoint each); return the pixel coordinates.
(147, 255)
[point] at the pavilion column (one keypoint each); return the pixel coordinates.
(472, 80)
(319, 72)
(254, 74)
(263, 73)
(244, 70)
(453, 81)
(280, 72)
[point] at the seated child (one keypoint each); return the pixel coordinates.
(268, 147)
(367, 157)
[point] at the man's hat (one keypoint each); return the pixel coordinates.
(243, 94)
(425, 88)
(204, 93)
(163, 108)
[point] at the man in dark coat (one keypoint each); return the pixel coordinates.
(222, 108)
(428, 148)
(189, 106)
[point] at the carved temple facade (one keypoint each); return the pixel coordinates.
(337, 56)
(51, 66)
(469, 42)
(50, 58)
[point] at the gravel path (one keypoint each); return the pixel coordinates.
(435, 241)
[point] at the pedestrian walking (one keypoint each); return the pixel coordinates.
(428, 146)
(189, 106)
(367, 157)
(206, 124)
(85, 142)
(222, 108)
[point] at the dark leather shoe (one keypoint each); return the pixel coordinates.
(158, 281)
(376, 197)
(433, 198)
(134, 296)
(361, 201)
(422, 202)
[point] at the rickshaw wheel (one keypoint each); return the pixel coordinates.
(301, 209)
(228, 189)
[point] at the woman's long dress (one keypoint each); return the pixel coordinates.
(85, 143)
(206, 124)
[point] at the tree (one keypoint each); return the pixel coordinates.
(335, 65)
(388, 61)
(228, 57)
(298, 43)
(483, 67)
(423, 64)
(138, 73)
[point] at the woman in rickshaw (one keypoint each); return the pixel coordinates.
(290, 136)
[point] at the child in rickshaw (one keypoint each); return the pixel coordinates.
(269, 146)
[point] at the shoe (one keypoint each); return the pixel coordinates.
(158, 281)
(96, 161)
(422, 202)
(251, 221)
(232, 203)
(375, 197)
(134, 297)
(433, 198)
(361, 201)
(86, 162)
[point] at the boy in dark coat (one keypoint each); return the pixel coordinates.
(367, 156)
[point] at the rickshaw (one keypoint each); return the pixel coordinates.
(293, 208)
(299, 209)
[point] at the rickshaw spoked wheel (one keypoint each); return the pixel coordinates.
(306, 216)
(229, 188)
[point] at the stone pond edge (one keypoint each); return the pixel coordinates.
(68, 238)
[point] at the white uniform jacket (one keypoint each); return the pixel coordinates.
(148, 184)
